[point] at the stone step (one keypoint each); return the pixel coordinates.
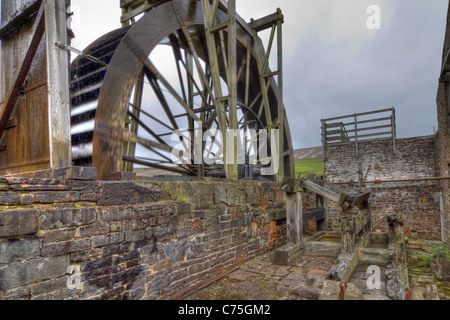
(373, 256)
(322, 248)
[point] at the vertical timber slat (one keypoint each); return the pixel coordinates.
(58, 84)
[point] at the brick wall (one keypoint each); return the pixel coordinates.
(443, 141)
(417, 202)
(129, 241)
(414, 158)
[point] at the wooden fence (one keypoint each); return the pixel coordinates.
(359, 127)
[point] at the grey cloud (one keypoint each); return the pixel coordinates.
(399, 67)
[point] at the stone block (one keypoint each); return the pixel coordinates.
(97, 264)
(77, 173)
(331, 291)
(96, 229)
(26, 199)
(304, 285)
(47, 287)
(59, 248)
(134, 236)
(39, 187)
(14, 250)
(119, 193)
(177, 249)
(104, 240)
(322, 248)
(19, 274)
(22, 293)
(56, 197)
(118, 249)
(128, 276)
(115, 214)
(131, 256)
(86, 255)
(59, 235)
(82, 173)
(17, 223)
(63, 218)
(226, 194)
(284, 254)
(9, 198)
(432, 292)
(182, 207)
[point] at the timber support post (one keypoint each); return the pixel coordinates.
(294, 222)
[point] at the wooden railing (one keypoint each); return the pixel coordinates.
(359, 127)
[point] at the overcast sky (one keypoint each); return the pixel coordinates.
(333, 64)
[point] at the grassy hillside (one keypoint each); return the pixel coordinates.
(308, 166)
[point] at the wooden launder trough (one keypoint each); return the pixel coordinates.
(354, 216)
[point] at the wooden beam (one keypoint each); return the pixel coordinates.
(266, 22)
(340, 124)
(327, 193)
(358, 114)
(312, 215)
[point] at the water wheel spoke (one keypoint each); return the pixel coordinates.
(152, 117)
(150, 67)
(189, 67)
(146, 128)
(162, 100)
(205, 82)
(178, 58)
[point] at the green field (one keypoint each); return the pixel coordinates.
(308, 166)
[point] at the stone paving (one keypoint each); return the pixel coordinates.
(261, 279)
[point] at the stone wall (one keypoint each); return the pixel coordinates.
(417, 202)
(443, 141)
(129, 241)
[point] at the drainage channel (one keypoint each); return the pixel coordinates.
(370, 273)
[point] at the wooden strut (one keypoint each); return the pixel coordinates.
(211, 29)
(16, 91)
(273, 22)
